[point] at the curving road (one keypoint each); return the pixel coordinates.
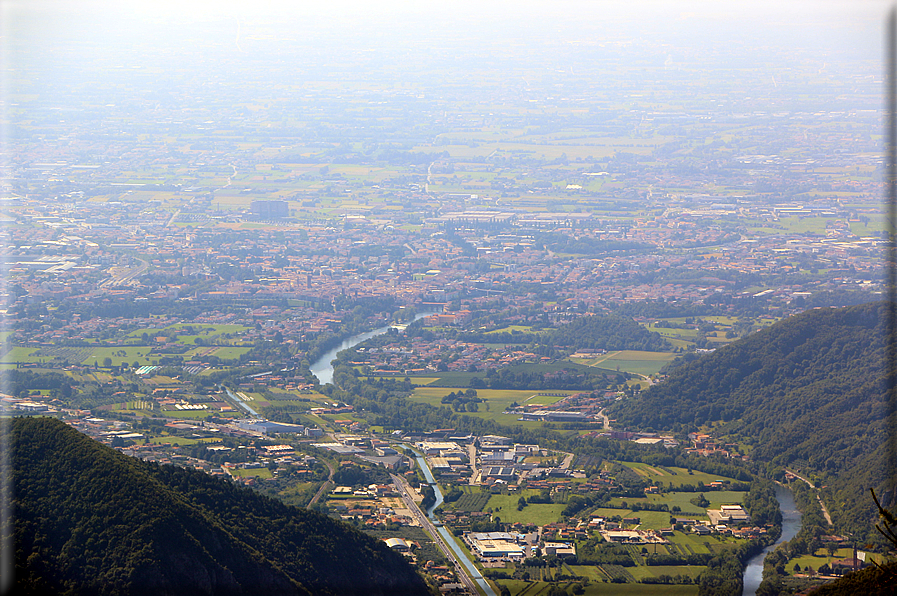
(825, 513)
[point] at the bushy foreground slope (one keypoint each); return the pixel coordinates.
(89, 520)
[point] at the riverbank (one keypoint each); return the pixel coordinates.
(322, 368)
(791, 524)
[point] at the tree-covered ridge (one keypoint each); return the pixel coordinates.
(807, 392)
(89, 520)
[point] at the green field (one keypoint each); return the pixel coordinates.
(223, 352)
(174, 440)
(681, 476)
(505, 507)
(639, 572)
(634, 361)
(257, 472)
(532, 588)
(205, 331)
(118, 355)
(20, 354)
(511, 329)
(496, 401)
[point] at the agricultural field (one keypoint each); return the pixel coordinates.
(511, 329)
(496, 400)
(680, 478)
(187, 333)
(534, 588)
(175, 440)
(471, 501)
(631, 361)
(505, 506)
(23, 354)
(262, 473)
(223, 352)
(118, 355)
(823, 556)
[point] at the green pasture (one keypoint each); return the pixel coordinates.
(544, 400)
(651, 520)
(674, 333)
(598, 586)
(681, 476)
(131, 353)
(20, 354)
(206, 331)
(805, 225)
(873, 227)
(637, 362)
(496, 399)
(256, 472)
(641, 572)
(716, 498)
(511, 329)
(505, 507)
(822, 557)
(187, 414)
(223, 352)
(175, 440)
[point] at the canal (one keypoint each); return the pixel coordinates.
(241, 403)
(791, 521)
(447, 536)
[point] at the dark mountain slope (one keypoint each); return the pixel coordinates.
(89, 520)
(807, 392)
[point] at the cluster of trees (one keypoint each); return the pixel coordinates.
(462, 401)
(595, 332)
(529, 377)
(585, 245)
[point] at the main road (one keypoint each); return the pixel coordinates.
(428, 527)
(825, 512)
(324, 485)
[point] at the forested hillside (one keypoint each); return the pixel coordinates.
(89, 520)
(807, 392)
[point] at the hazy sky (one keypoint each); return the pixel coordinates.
(56, 47)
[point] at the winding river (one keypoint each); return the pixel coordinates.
(791, 520)
(322, 368)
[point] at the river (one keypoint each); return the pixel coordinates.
(323, 367)
(791, 521)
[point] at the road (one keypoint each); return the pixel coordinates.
(403, 487)
(128, 277)
(825, 514)
(568, 459)
(324, 486)
(605, 418)
(472, 454)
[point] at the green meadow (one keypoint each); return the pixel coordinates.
(496, 400)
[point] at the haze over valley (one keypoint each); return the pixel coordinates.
(545, 298)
